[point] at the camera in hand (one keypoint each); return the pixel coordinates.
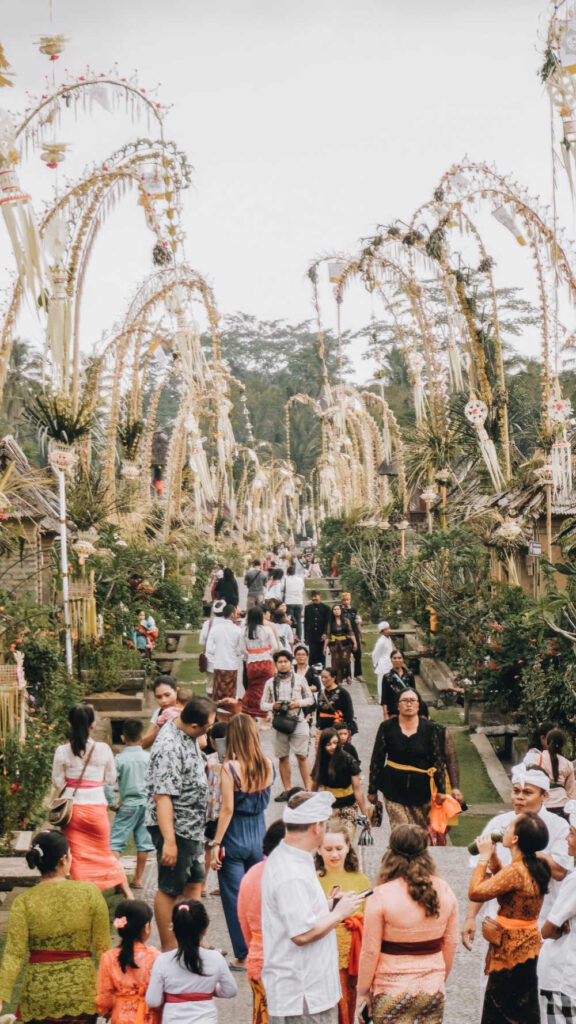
(284, 706)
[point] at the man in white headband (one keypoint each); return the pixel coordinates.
(300, 972)
(557, 958)
(530, 788)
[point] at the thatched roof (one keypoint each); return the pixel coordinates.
(30, 492)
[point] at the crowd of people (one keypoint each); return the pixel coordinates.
(318, 940)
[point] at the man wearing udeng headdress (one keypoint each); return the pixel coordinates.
(300, 972)
(530, 788)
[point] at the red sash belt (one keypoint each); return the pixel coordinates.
(56, 956)
(84, 784)
(187, 997)
(412, 948)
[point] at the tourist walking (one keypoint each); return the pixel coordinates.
(257, 645)
(250, 917)
(300, 971)
(410, 935)
(130, 805)
(54, 930)
(405, 766)
(255, 581)
(294, 597)
(124, 973)
(314, 570)
(223, 651)
(396, 681)
(176, 809)
(333, 703)
(353, 616)
(514, 937)
(80, 770)
(283, 629)
(559, 768)
(338, 871)
(530, 788)
(289, 696)
(207, 626)
(381, 655)
(185, 980)
(226, 589)
(316, 622)
(557, 957)
(245, 783)
(337, 772)
(340, 641)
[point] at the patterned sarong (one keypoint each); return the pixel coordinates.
(409, 1008)
(558, 1008)
(407, 814)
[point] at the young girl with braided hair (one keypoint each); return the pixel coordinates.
(185, 980)
(124, 972)
(410, 934)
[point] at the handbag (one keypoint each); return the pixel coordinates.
(281, 720)
(492, 931)
(60, 807)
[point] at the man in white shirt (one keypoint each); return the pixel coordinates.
(530, 788)
(557, 958)
(294, 597)
(300, 972)
(223, 652)
(381, 654)
(207, 627)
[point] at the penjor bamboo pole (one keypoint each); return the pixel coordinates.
(64, 568)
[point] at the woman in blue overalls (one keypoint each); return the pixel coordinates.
(247, 777)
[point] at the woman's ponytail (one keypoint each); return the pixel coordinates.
(190, 921)
(532, 835)
(80, 719)
(131, 918)
(555, 741)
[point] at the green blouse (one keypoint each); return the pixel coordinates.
(57, 915)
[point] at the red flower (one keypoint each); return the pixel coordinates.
(14, 787)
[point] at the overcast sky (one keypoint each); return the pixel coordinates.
(307, 123)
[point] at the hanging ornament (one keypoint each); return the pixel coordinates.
(335, 270)
(429, 494)
(509, 529)
(63, 457)
(476, 413)
(416, 364)
(59, 326)
(130, 470)
(84, 544)
(504, 217)
(559, 409)
(53, 153)
(52, 46)
(18, 213)
(561, 455)
(161, 254)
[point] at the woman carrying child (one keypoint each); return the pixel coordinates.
(124, 972)
(185, 980)
(169, 706)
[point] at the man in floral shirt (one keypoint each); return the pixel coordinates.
(176, 810)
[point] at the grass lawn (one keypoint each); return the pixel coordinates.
(189, 674)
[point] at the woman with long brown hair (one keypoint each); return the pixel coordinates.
(410, 935)
(246, 780)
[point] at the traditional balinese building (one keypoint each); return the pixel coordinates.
(29, 509)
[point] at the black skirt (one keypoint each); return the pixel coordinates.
(512, 996)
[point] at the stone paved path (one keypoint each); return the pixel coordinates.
(464, 984)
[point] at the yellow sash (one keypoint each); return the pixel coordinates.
(339, 793)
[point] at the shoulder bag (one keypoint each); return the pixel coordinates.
(60, 807)
(282, 721)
